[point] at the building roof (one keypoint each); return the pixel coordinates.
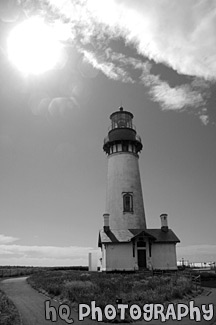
(159, 235)
(115, 236)
(163, 236)
(127, 235)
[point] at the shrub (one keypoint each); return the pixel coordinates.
(8, 312)
(83, 287)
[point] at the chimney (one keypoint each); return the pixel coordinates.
(164, 223)
(106, 222)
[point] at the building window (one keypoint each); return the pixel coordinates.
(141, 243)
(128, 202)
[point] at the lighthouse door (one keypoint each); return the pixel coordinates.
(141, 258)
(141, 253)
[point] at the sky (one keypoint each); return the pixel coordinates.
(156, 58)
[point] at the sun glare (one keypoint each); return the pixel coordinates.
(33, 47)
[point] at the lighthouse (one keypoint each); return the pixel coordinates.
(125, 241)
(124, 201)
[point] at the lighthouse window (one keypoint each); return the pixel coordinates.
(128, 202)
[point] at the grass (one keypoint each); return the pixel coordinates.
(14, 271)
(76, 287)
(8, 312)
(10, 271)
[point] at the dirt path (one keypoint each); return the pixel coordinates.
(30, 303)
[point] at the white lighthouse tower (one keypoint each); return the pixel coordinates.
(125, 241)
(124, 201)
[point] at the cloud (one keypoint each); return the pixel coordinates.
(197, 253)
(108, 68)
(191, 95)
(177, 97)
(204, 119)
(7, 239)
(177, 34)
(180, 34)
(44, 251)
(44, 255)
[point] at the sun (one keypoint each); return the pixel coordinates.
(33, 47)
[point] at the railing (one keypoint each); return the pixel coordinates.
(106, 139)
(196, 280)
